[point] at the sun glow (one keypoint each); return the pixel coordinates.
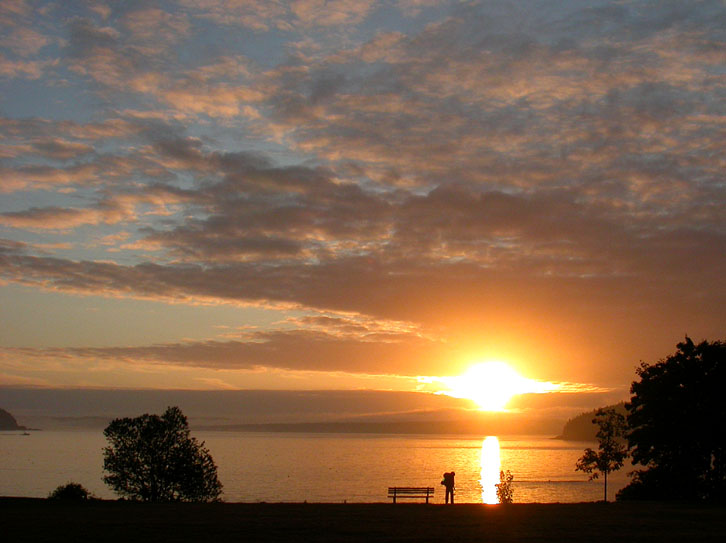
(491, 385)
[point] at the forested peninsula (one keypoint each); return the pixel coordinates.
(581, 427)
(8, 422)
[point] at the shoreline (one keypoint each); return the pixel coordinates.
(38, 519)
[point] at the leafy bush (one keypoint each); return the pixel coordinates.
(70, 492)
(505, 492)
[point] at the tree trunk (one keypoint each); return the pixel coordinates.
(606, 486)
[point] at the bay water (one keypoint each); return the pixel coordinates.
(289, 467)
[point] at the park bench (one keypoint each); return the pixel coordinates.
(410, 492)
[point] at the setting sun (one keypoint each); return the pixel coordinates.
(492, 384)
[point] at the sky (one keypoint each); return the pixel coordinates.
(358, 194)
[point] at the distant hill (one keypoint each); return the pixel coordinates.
(8, 422)
(453, 427)
(581, 427)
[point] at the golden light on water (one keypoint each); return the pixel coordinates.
(491, 465)
(492, 384)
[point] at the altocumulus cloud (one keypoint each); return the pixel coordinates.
(474, 168)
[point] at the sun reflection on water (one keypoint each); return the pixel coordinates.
(490, 467)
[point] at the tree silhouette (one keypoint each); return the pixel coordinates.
(676, 416)
(611, 452)
(153, 458)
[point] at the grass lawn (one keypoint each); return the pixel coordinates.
(108, 521)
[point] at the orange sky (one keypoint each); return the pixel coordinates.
(215, 195)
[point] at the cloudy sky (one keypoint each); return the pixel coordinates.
(355, 193)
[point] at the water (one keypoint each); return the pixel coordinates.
(256, 467)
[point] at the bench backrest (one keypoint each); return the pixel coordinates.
(410, 490)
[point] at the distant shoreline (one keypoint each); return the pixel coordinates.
(402, 429)
(34, 519)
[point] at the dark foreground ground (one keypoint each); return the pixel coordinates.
(107, 521)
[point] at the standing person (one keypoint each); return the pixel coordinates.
(448, 482)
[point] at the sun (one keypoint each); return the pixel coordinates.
(491, 385)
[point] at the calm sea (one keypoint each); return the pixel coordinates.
(256, 467)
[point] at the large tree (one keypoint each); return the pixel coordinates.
(676, 417)
(611, 452)
(153, 458)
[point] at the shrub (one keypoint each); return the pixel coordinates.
(70, 492)
(505, 492)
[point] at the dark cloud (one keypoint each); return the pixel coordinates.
(291, 350)
(86, 37)
(49, 217)
(62, 150)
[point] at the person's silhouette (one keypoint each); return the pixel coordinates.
(448, 482)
